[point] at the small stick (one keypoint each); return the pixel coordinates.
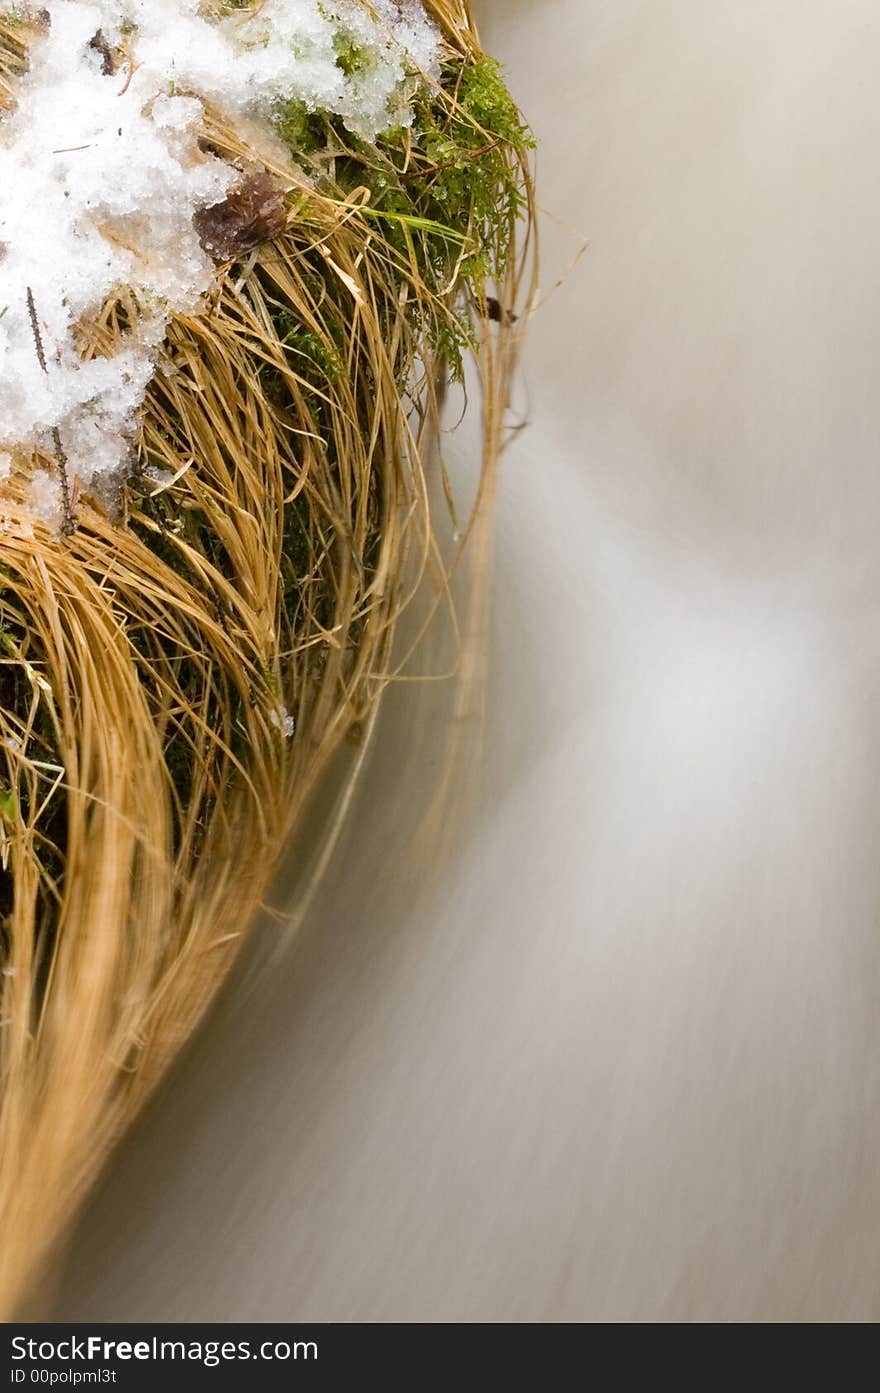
(35, 327)
(68, 522)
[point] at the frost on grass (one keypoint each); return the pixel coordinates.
(103, 186)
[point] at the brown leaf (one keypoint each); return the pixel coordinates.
(100, 45)
(254, 212)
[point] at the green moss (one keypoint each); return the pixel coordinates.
(472, 183)
(317, 360)
(483, 96)
(448, 192)
(302, 130)
(350, 57)
(451, 191)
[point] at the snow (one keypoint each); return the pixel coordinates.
(101, 176)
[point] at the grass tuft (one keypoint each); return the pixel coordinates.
(177, 674)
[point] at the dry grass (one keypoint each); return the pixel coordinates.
(147, 661)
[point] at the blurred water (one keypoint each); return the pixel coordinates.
(622, 1059)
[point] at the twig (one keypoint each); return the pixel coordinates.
(35, 327)
(68, 520)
